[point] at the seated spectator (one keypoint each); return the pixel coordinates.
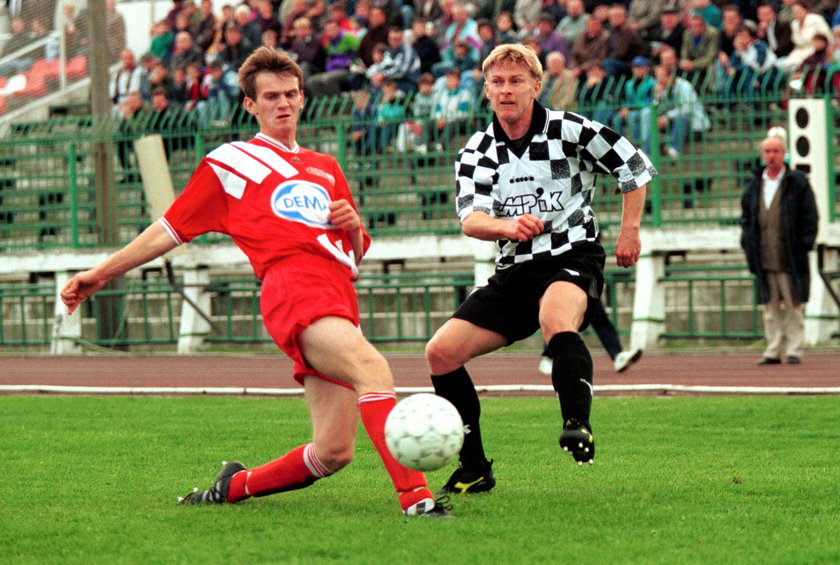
(669, 32)
(732, 20)
(505, 30)
(699, 51)
(185, 52)
(451, 113)
(681, 112)
(526, 15)
(636, 102)
(147, 67)
(133, 113)
(643, 16)
(463, 29)
(559, 84)
(623, 44)
(425, 46)
(248, 27)
(811, 75)
(73, 30)
(390, 114)
(590, 48)
(221, 85)
(167, 117)
(400, 64)
(773, 31)
(377, 33)
(490, 9)
(668, 58)
(126, 79)
(338, 11)
(203, 28)
(194, 86)
(266, 19)
(710, 13)
(420, 109)
(462, 61)
(804, 26)
(178, 95)
(751, 70)
(342, 48)
(290, 10)
(597, 97)
(115, 31)
(159, 77)
(549, 39)
(307, 48)
(235, 48)
(429, 10)
(20, 39)
(162, 42)
(574, 22)
(362, 136)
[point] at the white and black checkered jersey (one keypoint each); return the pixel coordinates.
(550, 174)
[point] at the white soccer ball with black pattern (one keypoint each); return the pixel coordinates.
(424, 432)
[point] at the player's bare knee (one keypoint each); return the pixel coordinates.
(335, 458)
(441, 356)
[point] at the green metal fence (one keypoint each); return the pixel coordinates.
(715, 302)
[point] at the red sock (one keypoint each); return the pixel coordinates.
(297, 469)
(374, 408)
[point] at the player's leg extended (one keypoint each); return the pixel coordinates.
(334, 415)
(562, 310)
(336, 348)
(455, 343)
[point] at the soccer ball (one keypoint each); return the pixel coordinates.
(424, 432)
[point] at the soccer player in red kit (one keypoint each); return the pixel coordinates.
(290, 210)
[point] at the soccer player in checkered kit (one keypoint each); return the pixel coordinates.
(290, 210)
(526, 182)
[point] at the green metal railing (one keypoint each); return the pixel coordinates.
(26, 314)
(714, 302)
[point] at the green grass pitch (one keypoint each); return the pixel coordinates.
(676, 480)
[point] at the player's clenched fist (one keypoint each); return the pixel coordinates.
(343, 216)
(79, 288)
(524, 228)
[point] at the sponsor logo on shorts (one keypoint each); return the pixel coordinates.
(302, 201)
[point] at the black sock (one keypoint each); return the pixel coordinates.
(457, 387)
(571, 376)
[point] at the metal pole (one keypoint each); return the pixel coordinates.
(111, 305)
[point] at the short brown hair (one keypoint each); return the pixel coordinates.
(513, 54)
(266, 60)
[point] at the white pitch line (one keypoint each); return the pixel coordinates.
(238, 391)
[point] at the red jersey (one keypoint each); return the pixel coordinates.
(272, 200)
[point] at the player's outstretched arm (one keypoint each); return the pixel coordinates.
(481, 225)
(152, 243)
(629, 244)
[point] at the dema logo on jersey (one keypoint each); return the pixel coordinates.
(302, 201)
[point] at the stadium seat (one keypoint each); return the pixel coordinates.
(36, 85)
(77, 67)
(48, 69)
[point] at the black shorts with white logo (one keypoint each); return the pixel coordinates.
(509, 303)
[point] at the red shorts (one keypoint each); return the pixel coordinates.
(298, 291)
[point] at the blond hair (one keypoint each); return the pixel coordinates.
(514, 54)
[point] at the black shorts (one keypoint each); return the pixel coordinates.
(509, 303)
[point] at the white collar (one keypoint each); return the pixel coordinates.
(282, 146)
